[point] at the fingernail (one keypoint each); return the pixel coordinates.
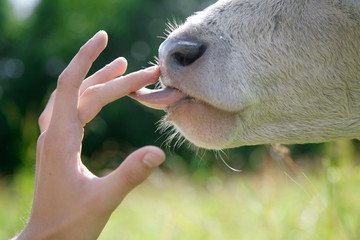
(121, 60)
(151, 69)
(99, 32)
(153, 160)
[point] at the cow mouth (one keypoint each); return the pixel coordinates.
(165, 98)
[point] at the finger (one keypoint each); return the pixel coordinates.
(96, 97)
(107, 73)
(133, 171)
(67, 94)
(39, 148)
(45, 117)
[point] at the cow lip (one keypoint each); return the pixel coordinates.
(161, 99)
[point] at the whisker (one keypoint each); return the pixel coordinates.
(171, 26)
(220, 154)
(161, 37)
(172, 134)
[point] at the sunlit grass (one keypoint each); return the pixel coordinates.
(243, 207)
(15, 204)
(271, 204)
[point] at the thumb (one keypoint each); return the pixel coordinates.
(133, 171)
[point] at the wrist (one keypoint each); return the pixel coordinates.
(30, 232)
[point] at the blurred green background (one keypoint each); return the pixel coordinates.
(36, 43)
(194, 195)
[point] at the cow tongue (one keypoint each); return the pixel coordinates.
(160, 99)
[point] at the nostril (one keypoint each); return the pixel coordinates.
(186, 53)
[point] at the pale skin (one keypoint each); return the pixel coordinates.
(70, 202)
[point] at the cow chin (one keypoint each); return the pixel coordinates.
(204, 125)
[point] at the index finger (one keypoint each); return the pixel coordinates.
(96, 97)
(67, 95)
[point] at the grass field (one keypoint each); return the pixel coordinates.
(271, 204)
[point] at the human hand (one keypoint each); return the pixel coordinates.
(69, 201)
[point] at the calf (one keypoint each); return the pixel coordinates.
(245, 72)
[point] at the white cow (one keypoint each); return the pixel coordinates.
(245, 72)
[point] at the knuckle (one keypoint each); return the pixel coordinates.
(52, 96)
(63, 77)
(91, 91)
(133, 178)
(63, 80)
(42, 119)
(93, 94)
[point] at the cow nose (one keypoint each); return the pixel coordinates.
(180, 53)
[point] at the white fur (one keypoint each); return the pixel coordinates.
(275, 71)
